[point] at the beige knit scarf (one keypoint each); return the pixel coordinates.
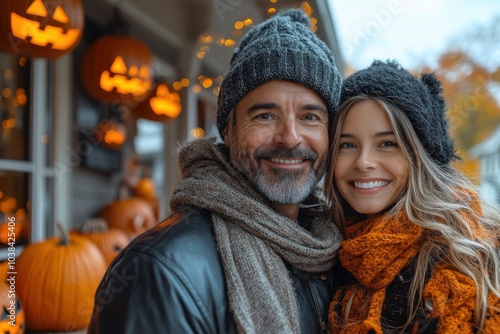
(253, 240)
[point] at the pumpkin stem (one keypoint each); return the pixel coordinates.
(95, 225)
(64, 235)
(123, 191)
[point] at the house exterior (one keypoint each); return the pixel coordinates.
(52, 168)
(488, 153)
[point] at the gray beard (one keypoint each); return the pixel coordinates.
(280, 186)
(283, 187)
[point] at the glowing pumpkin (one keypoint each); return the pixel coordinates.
(13, 229)
(40, 28)
(117, 68)
(162, 104)
(56, 282)
(111, 134)
(12, 319)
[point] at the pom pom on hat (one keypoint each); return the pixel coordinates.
(298, 16)
(280, 48)
(421, 101)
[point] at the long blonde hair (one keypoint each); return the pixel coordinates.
(437, 198)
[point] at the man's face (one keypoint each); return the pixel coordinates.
(279, 140)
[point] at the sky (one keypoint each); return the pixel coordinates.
(415, 32)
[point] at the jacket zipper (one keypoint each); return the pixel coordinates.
(313, 292)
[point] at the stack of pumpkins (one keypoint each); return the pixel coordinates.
(133, 214)
(57, 279)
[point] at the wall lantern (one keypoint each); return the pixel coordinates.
(117, 69)
(40, 28)
(161, 104)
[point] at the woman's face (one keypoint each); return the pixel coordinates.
(371, 171)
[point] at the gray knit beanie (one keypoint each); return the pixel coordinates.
(420, 99)
(281, 48)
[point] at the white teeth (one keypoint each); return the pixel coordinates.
(369, 185)
(286, 161)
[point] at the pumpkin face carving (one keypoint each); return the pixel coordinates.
(161, 105)
(112, 133)
(12, 319)
(115, 68)
(40, 28)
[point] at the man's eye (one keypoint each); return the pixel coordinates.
(263, 116)
(311, 117)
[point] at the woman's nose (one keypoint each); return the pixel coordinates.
(365, 160)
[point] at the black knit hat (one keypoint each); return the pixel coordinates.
(420, 99)
(281, 48)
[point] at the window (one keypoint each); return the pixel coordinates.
(24, 171)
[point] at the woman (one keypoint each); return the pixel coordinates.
(421, 251)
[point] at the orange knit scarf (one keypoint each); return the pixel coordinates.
(374, 252)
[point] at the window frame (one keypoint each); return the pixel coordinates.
(37, 167)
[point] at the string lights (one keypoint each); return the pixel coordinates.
(208, 40)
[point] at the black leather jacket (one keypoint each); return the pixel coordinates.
(171, 280)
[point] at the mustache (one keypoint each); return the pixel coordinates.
(282, 152)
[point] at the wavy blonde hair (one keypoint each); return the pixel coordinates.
(439, 199)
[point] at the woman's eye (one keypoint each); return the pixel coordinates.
(388, 144)
(346, 145)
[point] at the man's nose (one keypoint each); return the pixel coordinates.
(288, 133)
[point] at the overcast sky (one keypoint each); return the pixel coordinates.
(413, 31)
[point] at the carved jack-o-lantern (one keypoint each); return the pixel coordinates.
(111, 134)
(40, 28)
(117, 69)
(160, 105)
(12, 319)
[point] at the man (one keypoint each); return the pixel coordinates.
(248, 248)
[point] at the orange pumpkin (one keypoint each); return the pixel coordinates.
(10, 229)
(56, 281)
(110, 241)
(110, 133)
(161, 104)
(132, 215)
(145, 188)
(15, 229)
(117, 69)
(12, 320)
(40, 28)
(4, 268)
